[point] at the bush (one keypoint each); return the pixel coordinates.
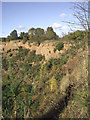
(15, 49)
(50, 52)
(3, 39)
(77, 35)
(20, 48)
(4, 64)
(59, 46)
(25, 51)
(14, 35)
(54, 50)
(11, 55)
(48, 65)
(21, 54)
(39, 58)
(8, 38)
(34, 58)
(8, 50)
(25, 38)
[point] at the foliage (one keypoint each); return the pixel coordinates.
(53, 84)
(31, 85)
(49, 29)
(54, 50)
(39, 31)
(13, 35)
(8, 38)
(59, 46)
(50, 34)
(78, 35)
(11, 54)
(31, 37)
(38, 35)
(20, 49)
(50, 52)
(3, 39)
(25, 38)
(34, 58)
(16, 96)
(57, 62)
(21, 35)
(8, 50)
(31, 30)
(21, 54)
(4, 64)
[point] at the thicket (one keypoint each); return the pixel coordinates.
(3, 39)
(76, 36)
(24, 80)
(16, 96)
(59, 46)
(39, 35)
(4, 64)
(32, 57)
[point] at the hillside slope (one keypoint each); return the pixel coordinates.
(45, 48)
(45, 83)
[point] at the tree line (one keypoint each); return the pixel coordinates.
(39, 35)
(33, 35)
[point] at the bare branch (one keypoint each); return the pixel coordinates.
(81, 14)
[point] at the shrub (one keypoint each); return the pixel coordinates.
(3, 39)
(77, 35)
(10, 54)
(48, 65)
(49, 51)
(8, 50)
(54, 50)
(34, 58)
(15, 49)
(38, 58)
(59, 46)
(25, 38)
(20, 48)
(4, 64)
(14, 35)
(25, 51)
(8, 38)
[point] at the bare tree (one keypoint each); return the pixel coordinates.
(80, 12)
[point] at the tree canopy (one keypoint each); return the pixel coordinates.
(13, 35)
(39, 34)
(34, 35)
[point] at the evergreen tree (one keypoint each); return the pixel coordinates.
(13, 35)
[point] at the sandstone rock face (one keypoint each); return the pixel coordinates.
(46, 49)
(10, 45)
(24, 45)
(67, 46)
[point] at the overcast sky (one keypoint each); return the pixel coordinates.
(21, 16)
